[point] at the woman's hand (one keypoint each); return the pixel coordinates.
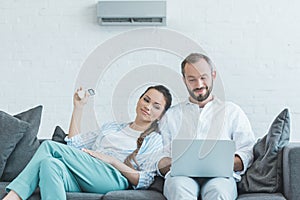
(101, 156)
(80, 102)
(131, 174)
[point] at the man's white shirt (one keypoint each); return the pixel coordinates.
(216, 120)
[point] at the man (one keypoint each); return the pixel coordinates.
(204, 116)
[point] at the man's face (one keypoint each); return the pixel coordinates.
(199, 80)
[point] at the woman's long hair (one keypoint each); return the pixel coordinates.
(152, 128)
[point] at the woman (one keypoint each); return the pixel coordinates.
(113, 158)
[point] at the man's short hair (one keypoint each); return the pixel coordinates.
(193, 58)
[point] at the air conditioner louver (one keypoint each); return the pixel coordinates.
(131, 12)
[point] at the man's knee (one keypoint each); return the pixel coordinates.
(219, 189)
(181, 188)
(217, 194)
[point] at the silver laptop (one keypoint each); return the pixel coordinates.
(202, 158)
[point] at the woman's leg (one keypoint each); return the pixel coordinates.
(92, 175)
(26, 182)
(61, 178)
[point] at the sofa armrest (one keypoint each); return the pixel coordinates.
(291, 173)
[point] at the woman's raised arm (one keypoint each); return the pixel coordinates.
(78, 104)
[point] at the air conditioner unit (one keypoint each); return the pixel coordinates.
(132, 12)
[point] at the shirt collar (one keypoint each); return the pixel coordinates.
(213, 101)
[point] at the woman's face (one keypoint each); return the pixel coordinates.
(150, 106)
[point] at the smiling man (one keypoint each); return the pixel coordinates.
(204, 116)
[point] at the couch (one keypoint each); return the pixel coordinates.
(274, 174)
(290, 190)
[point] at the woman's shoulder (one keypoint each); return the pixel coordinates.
(152, 143)
(154, 137)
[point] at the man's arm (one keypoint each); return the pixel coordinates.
(244, 138)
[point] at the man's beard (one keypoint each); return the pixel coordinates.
(201, 97)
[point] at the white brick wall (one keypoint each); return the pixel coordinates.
(255, 45)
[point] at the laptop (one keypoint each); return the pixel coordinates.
(202, 158)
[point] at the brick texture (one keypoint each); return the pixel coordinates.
(254, 44)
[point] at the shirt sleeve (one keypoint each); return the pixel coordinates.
(156, 164)
(169, 126)
(166, 135)
(244, 139)
(91, 139)
(149, 154)
(83, 140)
(145, 180)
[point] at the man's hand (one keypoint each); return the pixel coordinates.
(238, 163)
(164, 165)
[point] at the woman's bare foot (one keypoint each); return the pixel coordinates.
(12, 195)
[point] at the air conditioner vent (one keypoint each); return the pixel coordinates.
(116, 20)
(131, 12)
(131, 21)
(149, 20)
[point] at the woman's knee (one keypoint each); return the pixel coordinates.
(47, 143)
(50, 165)
(54, 149)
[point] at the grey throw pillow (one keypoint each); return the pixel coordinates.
(11, 132)
(26, 147)
(59, 135)
(265, 174)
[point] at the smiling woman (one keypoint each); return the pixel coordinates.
(150, 107)
(115, 157)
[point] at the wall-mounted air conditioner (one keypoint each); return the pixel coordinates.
(131, 12)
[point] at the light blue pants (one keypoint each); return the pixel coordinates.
(57, 168)
(182, 187)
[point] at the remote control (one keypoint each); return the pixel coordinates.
(81, 93)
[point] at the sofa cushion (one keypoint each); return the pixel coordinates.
(134, 195)
(11, 132)
(261, 196)
(83, 195)
(158, 184)
(291, 175)
(265, 174)
(2, 189)
(59, 135)
(26, 147)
